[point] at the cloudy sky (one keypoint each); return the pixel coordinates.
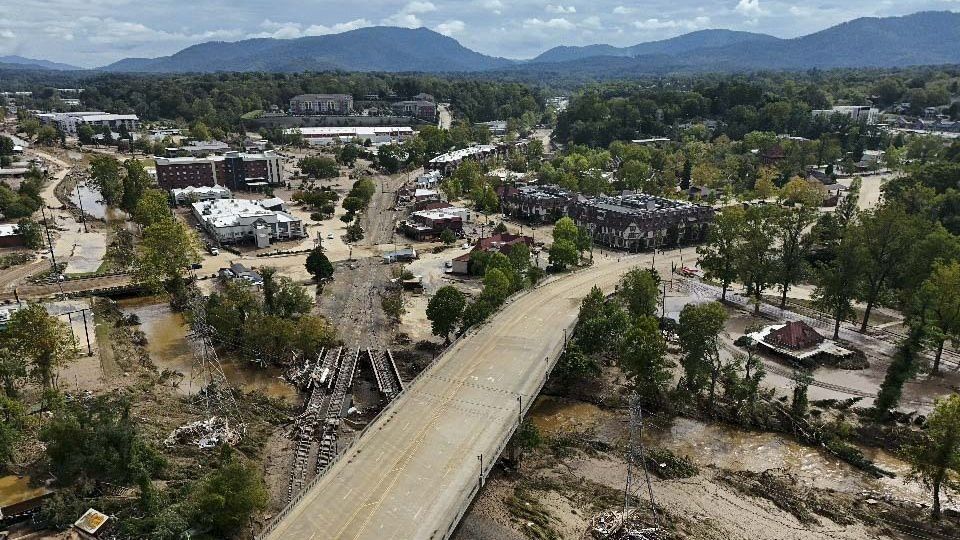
(96, 32)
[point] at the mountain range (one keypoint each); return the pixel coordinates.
(32, 63)
(925, 38)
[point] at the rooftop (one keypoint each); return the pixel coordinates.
(637, 204)
(235, 212)
(457, 155)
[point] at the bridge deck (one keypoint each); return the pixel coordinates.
(415, 470)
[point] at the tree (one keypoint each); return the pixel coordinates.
(167, 250)
(565, 229)
(887, 236)
(199, 131)
(448, 237)
(837, 282)
(318, 265)
(135, 183)
(800, 191)
(151, 207)
(393, 305)
(319, 167)
(718, 256)
(444, 311)
(105, 174)
(563, 254)
(85, 134)
(642, 355)
(227, 497)
(800, 402)
(30, 233)
(791, 228)
(282, 297)
(905, 364)
(699, 335)
(601, 325)
(12, 417)
(574, 366)
(496, 286)
(640, 288)
(43, 341)
(943, 291)
(937, 456)
(755, 256)
(97, 440)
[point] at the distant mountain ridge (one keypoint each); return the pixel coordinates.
(687, 42)
(31, 63)
(924, 38)
(365, 49)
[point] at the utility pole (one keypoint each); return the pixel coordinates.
(53, 258)
(83, 217)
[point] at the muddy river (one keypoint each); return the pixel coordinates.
(731, 448)
(169, 349)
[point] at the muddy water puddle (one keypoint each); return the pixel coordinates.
(91, 201)
(727, 447)
(169, 348)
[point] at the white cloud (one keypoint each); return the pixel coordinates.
(623, 10)
(494, 6)
(559, 9)
(750, 8)
(419, 7)
(558, 23)
(448, 28)
(405, 20)
(672, 24)
(290, 30)
(7, 34)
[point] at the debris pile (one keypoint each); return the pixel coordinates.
(207, 433)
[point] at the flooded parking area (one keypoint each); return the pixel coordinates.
(169, 349)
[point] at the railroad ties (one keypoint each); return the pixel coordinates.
(385, 371)
(328, 380)
(342, 384)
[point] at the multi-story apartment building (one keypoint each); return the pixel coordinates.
(235, 170)
(70, 122)
(637, 222)
(537, 203)
(311, 104)
(420, 108)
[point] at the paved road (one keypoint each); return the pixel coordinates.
(416, 468)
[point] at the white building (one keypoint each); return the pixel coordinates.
(235, 220)
(194, 194)
(429, 180)
(325, 136)
(858, 113)
(70, 122)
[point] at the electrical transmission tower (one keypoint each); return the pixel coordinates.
(206, 371)
(633, 485)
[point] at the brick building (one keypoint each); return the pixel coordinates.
(234, 170)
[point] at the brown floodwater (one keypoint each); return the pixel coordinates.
(730, 448)
(89, 198)
(169, 348)
(16, 489)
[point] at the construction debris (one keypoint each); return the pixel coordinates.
(207, 433)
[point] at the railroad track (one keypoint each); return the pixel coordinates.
(385, 372)
(328, 439)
